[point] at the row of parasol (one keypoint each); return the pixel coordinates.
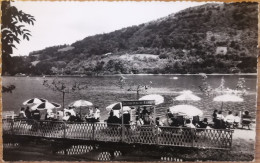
(189, 110)
(184, 109)
(42, 104)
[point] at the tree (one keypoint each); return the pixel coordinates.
(205, 88)
(133, 86)
(241, 86)
(13, 28)
(64, 88)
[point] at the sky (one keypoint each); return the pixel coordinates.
(59, 23)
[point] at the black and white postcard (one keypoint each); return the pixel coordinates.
(129, 81)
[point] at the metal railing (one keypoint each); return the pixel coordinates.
(132, 134)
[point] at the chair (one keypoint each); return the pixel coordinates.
(246, 121)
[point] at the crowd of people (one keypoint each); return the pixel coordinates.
(175, 120)
(28, 114)
(68, 115)
(230, 121)
(143, 117)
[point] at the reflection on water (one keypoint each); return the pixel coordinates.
(95, 152)
(98, 153)
(75, 150)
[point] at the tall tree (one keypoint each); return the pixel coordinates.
(12, 28)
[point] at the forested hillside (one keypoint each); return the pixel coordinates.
(212, 38)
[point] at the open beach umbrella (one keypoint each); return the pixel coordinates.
(187, 96)
(186, 110)
(34, 101)
(80, 103)
(228, 98)
(46, 105)
(157, 98)
(117, 107)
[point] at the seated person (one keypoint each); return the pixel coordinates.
(195, 120)
(36, 114)
(126, 118)
(67, 116)
(180, 120)
(219, 122)
(90, 116)
(50, 116)
(71, 110)
(59, 115)
(246, 119)
(139, 122)
(28, 113)
(229, 119)
(112, 118)
(146, 119)
(158, 122)
(144, 113)
(214, 115)
(97, 114)
(174, 122)
(189, 124)
(203, 124)
(22, 113)
(169, 114)
(77, 118)
(236, 121)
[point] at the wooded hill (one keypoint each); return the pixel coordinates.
(212, 38)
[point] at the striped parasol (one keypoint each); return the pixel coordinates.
(33, 101)
(46, 105)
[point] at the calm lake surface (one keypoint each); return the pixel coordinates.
(103, 91)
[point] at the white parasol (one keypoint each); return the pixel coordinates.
(157, 98)
(187, 96)
(228, 98)
(80, 103)
(117, 107)
(186, 110)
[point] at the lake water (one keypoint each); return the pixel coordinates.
(103, 91)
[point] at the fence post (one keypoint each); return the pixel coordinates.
(64, 129)
(93, 131)
(231, 135)
(12, 126)
(193, 136)
(123, 133)
(157, 133)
